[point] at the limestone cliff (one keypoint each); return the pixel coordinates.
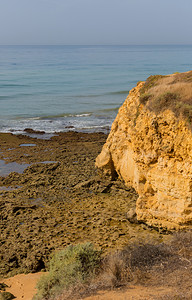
(150, 147)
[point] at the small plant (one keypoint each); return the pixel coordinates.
(181, 243)
(69, 267)
(183, 77)
(173, 102)
(165, 101)
(144, 98)
(150, 82)
(177, 97)
(145, 256)
(79, 271)
(116, 268)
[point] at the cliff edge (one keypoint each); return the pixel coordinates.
(150, 148)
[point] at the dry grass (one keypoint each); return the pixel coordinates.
(165, 264)
(173, 92)
(151, 82)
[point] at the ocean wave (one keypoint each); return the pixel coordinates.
(105, 110)
(57, 117)
(5, 97)
(5, 85)
(15, 96)
(101, 94)
(96, 127)
(117, 93)
(34, 118)
(79, 115)
(66, 115)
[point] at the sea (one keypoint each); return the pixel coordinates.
(78, 88)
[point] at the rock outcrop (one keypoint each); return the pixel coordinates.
(150, 148)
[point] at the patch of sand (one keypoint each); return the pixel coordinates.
(132, 293)
(22, 286)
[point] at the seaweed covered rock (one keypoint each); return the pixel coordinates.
(150, 148)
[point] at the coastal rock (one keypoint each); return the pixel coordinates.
(30, 130)
(131, 215)
(3, 286)
(150, 148)
(6, 296)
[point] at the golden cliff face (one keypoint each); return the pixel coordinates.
(150, 147)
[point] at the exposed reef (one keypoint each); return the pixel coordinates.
(60, 200)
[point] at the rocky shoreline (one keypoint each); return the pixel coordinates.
(60, 199)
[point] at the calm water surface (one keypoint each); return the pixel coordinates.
(61, 88)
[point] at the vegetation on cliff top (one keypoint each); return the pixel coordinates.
(173, 92)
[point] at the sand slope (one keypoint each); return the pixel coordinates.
(22, 286)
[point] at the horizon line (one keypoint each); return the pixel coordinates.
(93, 45)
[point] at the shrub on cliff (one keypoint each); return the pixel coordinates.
(69, 267)
(171, 92)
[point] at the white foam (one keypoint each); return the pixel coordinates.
(77, 122)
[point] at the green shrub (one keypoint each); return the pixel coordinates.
(79, 271)
(69, 267)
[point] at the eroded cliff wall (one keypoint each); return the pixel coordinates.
(150, 147)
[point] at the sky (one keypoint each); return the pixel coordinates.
(95, 22)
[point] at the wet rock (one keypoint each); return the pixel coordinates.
(6, 296)
(69, 126)
(30, 130)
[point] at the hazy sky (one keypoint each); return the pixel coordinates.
(91, 22)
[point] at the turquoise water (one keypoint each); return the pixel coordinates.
(61, 88)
